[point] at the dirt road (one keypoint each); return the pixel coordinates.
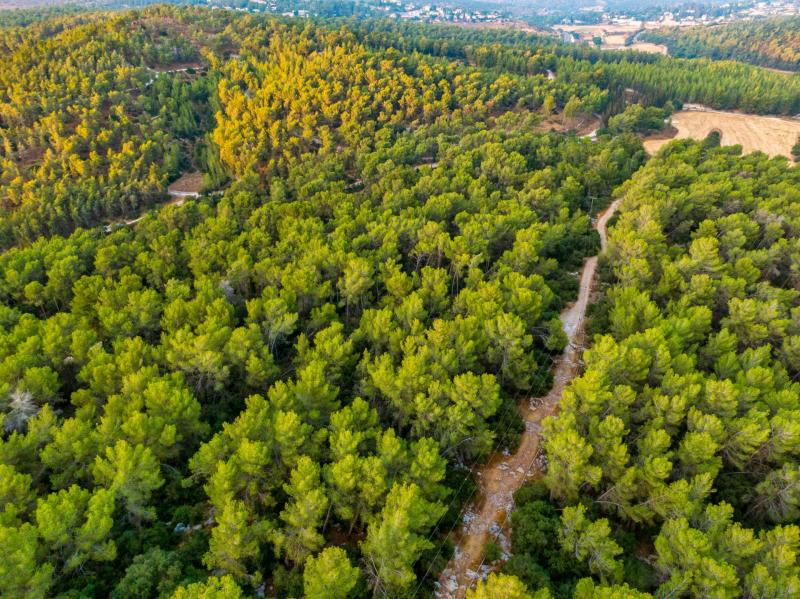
(487, 518)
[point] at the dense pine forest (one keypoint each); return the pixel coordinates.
(770, 43)
(281, 387)
(675, 455)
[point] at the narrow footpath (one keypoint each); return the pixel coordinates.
(487, 517)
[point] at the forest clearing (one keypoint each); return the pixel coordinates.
(774, 136)
(647, 47)
(602, 30)
(615, 36)
(187, 185)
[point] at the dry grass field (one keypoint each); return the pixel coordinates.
(639, 47)
(602, 29)
(772, 135)
(613, 36)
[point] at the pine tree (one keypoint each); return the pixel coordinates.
(503, 586)
(303, 513)
(329, 575)
(395, 538)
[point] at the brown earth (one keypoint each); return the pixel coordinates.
(581, 126)
(188, 183)
(601, 30)
(647, 47)
(772, 135)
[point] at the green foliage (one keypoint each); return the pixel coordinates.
(394, 543)
(281, 383)
(719, 84)
(96, 121)
(132, 474)
(329, 575)
(153, 343)
(767, 42)
(492, 552)
(536, 559)
(235, 542)
(588, 589)
(304, 513)
(590, 541)
(639, 119)
(20, 574)
(154, 573)
(75, 524)
(688, 399)
(503, 586)
(214, 588)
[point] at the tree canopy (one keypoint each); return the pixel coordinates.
(279, 386)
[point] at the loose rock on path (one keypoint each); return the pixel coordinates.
(487, 517)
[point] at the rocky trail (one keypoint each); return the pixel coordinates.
(487, 517)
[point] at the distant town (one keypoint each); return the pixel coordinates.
(391, 9)
(619, 29)
(438, 13)
(556, 15)
(687, 17)
(581, 24)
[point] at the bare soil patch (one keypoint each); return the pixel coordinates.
(30, 157)
(668, 133)
(582, 126)
(772, 135)
(587, 32)
(188, 183)
(647, 47)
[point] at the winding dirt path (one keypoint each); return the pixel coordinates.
(487, 517)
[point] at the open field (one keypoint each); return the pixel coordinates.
(602, 29)
(639, 47)
(772, 135)
(613, 36)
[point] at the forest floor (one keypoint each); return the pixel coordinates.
(772, 135)
(187, 185)
(583, 126)
(487, 517)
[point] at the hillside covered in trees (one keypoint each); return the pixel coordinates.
(279, 388)
(769, 43)
(280, 383)
(100, 113)
(675, 455)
